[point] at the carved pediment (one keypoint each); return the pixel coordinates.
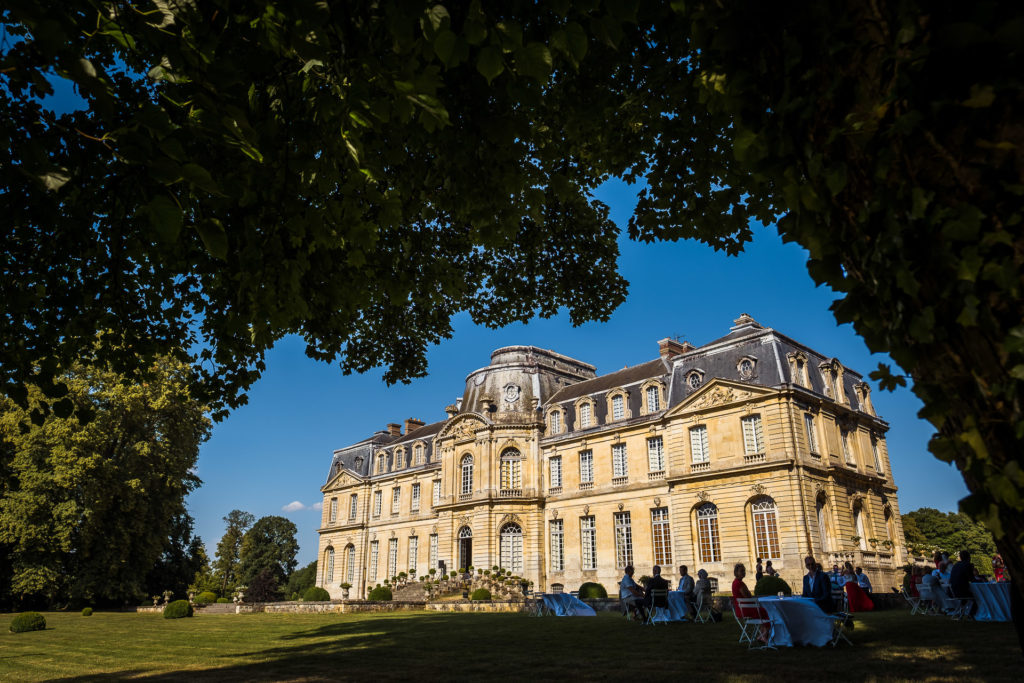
(720, 396)
(720, 392)
(510, 518)
(462, 427)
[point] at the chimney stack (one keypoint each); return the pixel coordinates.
(412, 424)
(670, 348)
(394, 429)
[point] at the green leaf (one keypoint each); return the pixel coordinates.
(534, 61)
(200, 177)
(576, 38)
(214, 237)
(54, 180)
(166, 218)
(490, 63)
(444, 46)
(438, 16)
(474, 32)
(981, 96)
(63, 408)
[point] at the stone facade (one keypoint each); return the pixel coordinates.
(750, 445)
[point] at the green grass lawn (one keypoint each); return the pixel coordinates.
(888, 645)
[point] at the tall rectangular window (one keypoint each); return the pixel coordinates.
(432, 558)
(414, 551)
(618, 407)
(874, 452)
(656, 454)
(709, 547)
(753, 438)
(812, 438)
(374, 546)
(555, 468)
(396, 500)
(587, 467)
(662, 539)
(557, 545)
(699, 444)
(377, 497)
(588, 542)
(847, 449)
(653, 399)
(584, 415)
(437, 492)
(415, 497)
(392, 558)
(620, 468)
(556, 422)
(623, 539)
(334, 509)
(353, 506)
(350, 564)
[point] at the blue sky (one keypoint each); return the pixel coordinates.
(271, 456)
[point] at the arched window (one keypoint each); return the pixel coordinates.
(467, 474)
(511, 469)
(763, 512)
(585, 415)
(824, 523)
(350, 563)
(858, 522)
(653, 399)
(465, 532)
(512, 548)
(328, 566)
(709, 547)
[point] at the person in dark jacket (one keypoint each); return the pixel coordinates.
(961, 575)
(817, 585)
(657, 582)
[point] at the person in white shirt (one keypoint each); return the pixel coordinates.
(863, 581)
(687, 588)
(630, 594)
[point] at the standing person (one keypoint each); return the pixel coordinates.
(687, 588)
(998, 567)
(630, 594)
(862, 580)
(758, 571)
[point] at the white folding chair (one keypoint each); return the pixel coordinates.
(703, 610)
(962, 612)
(914, 603)
(659, 606)
(751, 625)
(839, 629)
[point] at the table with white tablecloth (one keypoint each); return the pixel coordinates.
(677, 610)
(993, 601)
(934, 592)
(797, 621)
(566, 605)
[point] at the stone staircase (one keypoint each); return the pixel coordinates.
(217, 608)
(412, 591)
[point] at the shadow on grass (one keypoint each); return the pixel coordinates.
(508, 646)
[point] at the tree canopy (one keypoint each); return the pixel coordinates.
(87, 511)
(229, 549)
(269, 545)
(359, 173)
(927, 530)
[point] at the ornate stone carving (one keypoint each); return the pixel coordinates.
(554, 514)
(657, 502)
(703, 496)
(510, 518)
(720, 395)
(759, 489)
(621, 506)
(586, 509)
(462, 521)
(511, 393)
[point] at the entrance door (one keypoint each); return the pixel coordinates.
(465, 547)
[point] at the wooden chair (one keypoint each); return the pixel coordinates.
(751, 625)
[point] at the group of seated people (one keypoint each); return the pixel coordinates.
(946, 580)
(639, 600)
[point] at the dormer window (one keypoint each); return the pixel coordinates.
(556, 422)
(746, 367)
(694, 379)
(585, 411)
(653, 396)
(618, 407)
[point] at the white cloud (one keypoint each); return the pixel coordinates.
(318, 506)
(294, 506)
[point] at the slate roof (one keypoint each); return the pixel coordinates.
(620, 378)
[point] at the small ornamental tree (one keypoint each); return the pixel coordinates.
(28, 621)
(263, 588)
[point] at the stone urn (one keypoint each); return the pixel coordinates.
(344, 591)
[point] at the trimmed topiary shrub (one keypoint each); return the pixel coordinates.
(380, 593)
(87, 611)
(592, 590)
(316, 594)
(28, 621)
(206, 597)
(177, 609)
(771, 585)
(480, 594)
(222, 601)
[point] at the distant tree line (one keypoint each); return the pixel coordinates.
(928, 530)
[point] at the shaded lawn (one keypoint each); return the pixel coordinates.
(888, 645)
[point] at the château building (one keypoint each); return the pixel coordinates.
(752, 445)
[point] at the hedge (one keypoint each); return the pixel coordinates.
(177, 609)
(480, 594)
(316, 594)
(222, 601)
(592, 590)
(380, 593)
(87, 611)
(206, 597)
(771, 585)
(28, 621)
